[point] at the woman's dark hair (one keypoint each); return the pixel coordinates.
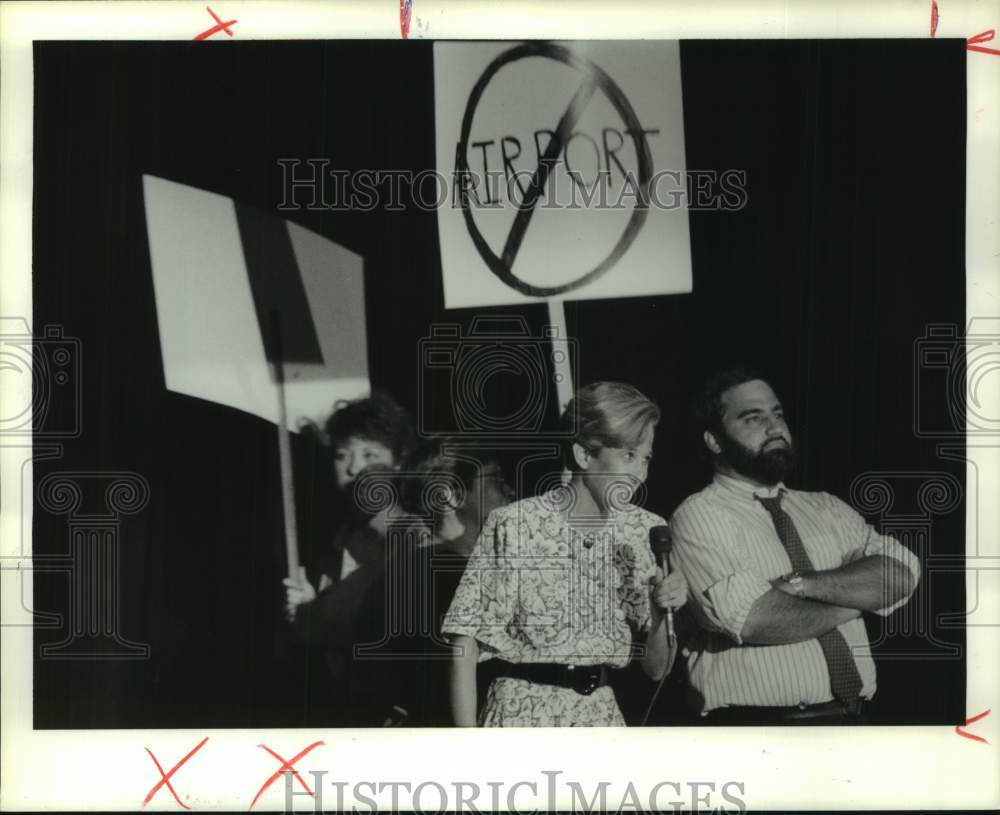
(444, 462)
(377, 418)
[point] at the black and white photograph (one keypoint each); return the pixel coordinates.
(369, 390)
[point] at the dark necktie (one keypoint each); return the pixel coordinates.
(845, 680)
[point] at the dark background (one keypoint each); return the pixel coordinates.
(851, 244)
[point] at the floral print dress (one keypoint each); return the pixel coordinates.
(537, 589)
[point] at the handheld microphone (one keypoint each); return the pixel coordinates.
(661, 541)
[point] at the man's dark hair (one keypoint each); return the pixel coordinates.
(706, 412)
(378, 418)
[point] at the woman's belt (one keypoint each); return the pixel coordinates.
(584, 679)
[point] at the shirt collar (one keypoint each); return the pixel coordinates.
(744, 489)
(556, 501)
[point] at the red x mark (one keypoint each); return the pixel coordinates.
(285, 765)
(165, 778)
(975, 43)
(215, 29)
(973, 736)
(405, 10)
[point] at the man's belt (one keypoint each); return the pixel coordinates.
(835, 712)
(584, 679)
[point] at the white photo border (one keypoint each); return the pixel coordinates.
(847, 768)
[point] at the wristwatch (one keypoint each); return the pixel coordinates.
(795, 580)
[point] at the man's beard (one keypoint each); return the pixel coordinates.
(769, 465)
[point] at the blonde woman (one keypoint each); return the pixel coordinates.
(562, 588)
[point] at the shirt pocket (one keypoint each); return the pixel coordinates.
(825, 551)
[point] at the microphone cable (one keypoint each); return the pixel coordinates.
(659, 687)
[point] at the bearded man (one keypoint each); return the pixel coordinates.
(779, 578)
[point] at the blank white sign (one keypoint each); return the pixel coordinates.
(210, 338)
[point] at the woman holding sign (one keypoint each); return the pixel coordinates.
(561, 587)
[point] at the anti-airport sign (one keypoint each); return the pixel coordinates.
(567, 171)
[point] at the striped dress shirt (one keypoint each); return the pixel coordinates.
(726, 545)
